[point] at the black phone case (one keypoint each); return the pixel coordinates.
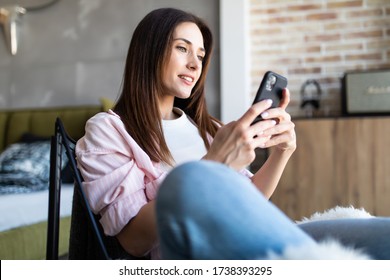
(271, 87)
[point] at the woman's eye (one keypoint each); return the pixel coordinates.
(182, 49)
(200, 57)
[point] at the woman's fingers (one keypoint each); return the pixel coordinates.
(258, 129)
(254, 111)
(278, 114)
(282, 134)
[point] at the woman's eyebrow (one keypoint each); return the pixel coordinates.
(189, 43)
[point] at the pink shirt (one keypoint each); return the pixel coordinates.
(119, 177)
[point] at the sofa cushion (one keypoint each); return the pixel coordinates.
(40, 121)
(107, 104)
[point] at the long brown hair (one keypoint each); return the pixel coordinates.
(137, 104)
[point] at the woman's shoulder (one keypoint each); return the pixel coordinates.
(105, 116)
(103, 128)
(105, 120)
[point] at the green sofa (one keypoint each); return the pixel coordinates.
(40, 122)
(29, 242)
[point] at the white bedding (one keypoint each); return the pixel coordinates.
(30, 208)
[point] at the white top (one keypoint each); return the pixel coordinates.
(183, 139)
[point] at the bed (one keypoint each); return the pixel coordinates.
(25, 135)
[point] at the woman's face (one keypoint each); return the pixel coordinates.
(184, 65)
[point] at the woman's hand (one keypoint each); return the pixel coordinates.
(235, 143)
(282, 136)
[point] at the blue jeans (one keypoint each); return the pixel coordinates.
(206, 210)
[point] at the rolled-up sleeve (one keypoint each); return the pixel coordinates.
(119, 177)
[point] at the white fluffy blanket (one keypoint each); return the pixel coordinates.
(325, 250)
(329, 249)
(338, 213)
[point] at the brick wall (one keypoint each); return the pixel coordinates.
(318, 39)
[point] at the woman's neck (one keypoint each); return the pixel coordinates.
(170, 116)
(166, 108)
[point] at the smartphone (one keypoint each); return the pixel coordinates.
(271, 87)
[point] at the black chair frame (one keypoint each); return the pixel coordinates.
(59, 141)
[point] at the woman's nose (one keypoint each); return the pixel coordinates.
(193, 62)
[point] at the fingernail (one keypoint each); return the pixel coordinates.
(264, 115)
(269, 101)
(273, 122)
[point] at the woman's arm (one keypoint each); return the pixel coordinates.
(139, 236)
(114, 183)
(267, 177)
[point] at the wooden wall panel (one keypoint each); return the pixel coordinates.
(338, 161)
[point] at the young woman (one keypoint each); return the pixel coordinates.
(161, 121)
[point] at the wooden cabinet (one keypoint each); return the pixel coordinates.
(338, 161)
